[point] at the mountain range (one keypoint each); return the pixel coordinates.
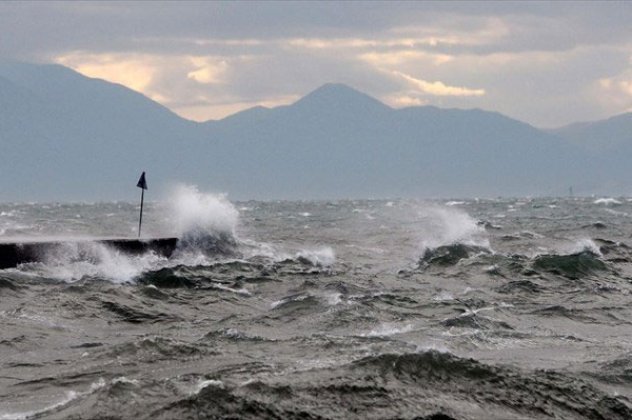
(65, 136)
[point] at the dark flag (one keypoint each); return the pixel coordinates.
(142, 183)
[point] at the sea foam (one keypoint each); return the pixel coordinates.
(198, 218)
(195, 211)
(450, 225)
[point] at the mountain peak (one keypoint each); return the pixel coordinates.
(329, 89)
(340, 97)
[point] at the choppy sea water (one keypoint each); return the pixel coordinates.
(470, 309)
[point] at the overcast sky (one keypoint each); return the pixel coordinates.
(548, 64)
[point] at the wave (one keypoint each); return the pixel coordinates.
(451, 235)
(56, 407)
(428, 384)
(584, 260)
(572, 266)
(193, 211)
(429, 364)
(152, 348)
(612, 251)
(508, 391)
(525, 234)
(229, 274)
(300, 301)
(596, 225)
(83, 260)
(9, 284)
(607, 201)
(206, 244)
(447, 226)
(205, 225)
(388, 329)
(488, 225)
(447, 255)
(220, 402)
(520, 286)
(135, 315)
(472, 320)
(80, 260)
(320, 257)
(617, 371)
(232, 334)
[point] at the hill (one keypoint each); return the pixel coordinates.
(66, 136)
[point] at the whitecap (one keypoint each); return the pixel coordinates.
(324, 256)
(607, 201)
(242, 291)
(584, 245)
(385, 330)
(203, 383)
(295, 298)
(333, 299)
(448, 226)
(443, 296)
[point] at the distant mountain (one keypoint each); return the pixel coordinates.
(339, 142)
(608, 143)
(66, 136)
(71, 136)
(600, 136)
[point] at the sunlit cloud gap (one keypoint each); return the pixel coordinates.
(439, 88)
(135, 71)
(224, 76)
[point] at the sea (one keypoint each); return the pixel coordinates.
(508, 308)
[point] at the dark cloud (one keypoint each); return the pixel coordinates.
(35, 28)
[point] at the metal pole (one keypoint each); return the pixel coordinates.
(142, 199)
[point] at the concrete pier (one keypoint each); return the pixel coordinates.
(14, 253)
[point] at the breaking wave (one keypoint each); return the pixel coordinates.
(607, 201)
(451, 235)
(447, 226)
(204, 223)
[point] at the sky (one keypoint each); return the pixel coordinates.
(546, 63)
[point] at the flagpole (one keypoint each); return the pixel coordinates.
(140, 220)
(142, 184)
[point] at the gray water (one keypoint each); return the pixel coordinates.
(469, 309)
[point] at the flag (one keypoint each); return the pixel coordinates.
(142, 183)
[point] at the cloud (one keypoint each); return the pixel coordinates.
(208, 70)
(438, 88)
(615, 91)
(538, 62)
(208, 109)
(194, 87)
(135, 71)
(383, 42)
(400, 57)
(404, 100)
